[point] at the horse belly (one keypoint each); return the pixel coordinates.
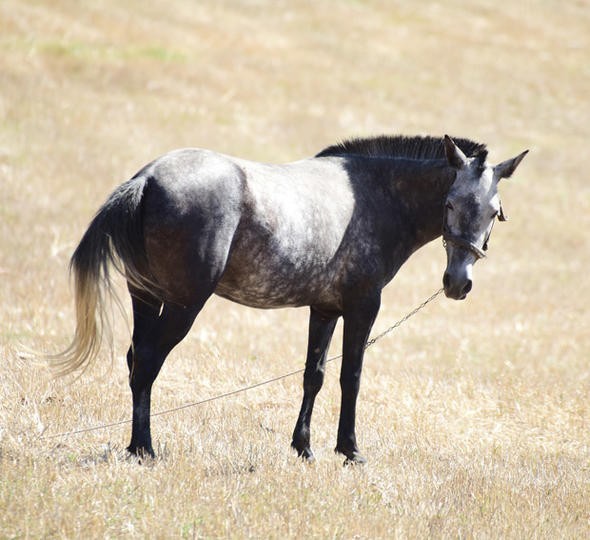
(267, 290)
(265, 273)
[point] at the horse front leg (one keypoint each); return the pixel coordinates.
(358, 322)
(321, 328)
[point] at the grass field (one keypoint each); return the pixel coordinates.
(475, 415)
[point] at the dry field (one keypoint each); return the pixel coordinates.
(475, 415)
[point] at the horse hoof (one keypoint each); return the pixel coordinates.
(306, 455)
(357, 459)
(309, 457)
(353, 457)
(142, 454)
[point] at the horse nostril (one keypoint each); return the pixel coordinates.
(467, 287)
(446, 280)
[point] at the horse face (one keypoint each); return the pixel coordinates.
(471, 208)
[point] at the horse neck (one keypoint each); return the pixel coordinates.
(422, 187)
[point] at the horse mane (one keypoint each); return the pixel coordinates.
(403, 147)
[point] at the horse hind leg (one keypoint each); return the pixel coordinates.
(321, 329)
(187, 241)
(155, 334)
(146, 310)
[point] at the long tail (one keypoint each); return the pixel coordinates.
(114, 238)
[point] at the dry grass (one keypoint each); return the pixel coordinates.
(474, 416)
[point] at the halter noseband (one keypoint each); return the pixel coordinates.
(465, 244)
(479, 253)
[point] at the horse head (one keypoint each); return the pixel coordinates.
(471, 208)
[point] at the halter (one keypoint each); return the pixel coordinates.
(479, 253)
(465, 244)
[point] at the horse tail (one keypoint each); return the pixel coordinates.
(114, 238)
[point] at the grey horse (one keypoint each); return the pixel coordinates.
(328, 232)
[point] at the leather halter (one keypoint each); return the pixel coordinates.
(479, 253)
(462, 243)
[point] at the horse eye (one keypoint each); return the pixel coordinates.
(449, 206)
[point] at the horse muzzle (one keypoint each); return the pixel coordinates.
(457, 285)
(461, 254)
(457, 291)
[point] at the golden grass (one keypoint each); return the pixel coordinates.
(474, 416)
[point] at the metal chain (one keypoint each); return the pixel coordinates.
(403, 319)
(251, 387)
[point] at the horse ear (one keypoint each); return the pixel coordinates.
(455, 157)
(506, 168)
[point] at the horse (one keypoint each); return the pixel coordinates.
(326, 232)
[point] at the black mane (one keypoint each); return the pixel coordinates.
(404, 147)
